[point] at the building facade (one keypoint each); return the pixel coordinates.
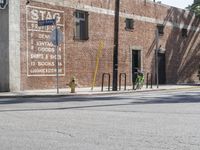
(28, 56)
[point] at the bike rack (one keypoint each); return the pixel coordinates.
(120, 80)
(134, 82)
(147, 82)
(103, 76)
(198, 75)
(151, 80)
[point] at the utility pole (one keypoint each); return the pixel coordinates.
(116, 45)
(156, 57)
(56, 50)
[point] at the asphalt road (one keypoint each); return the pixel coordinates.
(167, 120)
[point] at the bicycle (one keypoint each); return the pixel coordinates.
(139, 81)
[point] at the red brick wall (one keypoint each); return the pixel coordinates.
(182, 54)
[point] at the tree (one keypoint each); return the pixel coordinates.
(195, 7)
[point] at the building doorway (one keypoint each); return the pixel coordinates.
(136, 63)
(161, 68)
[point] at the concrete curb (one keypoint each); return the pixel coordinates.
(48, 95)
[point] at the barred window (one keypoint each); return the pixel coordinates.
(129, 24)
(160, 28)
(184, 32)
(81, 25)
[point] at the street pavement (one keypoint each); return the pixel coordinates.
(156, 120)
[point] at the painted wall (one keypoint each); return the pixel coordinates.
(14, 45)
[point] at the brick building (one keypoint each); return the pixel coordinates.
(28, 57)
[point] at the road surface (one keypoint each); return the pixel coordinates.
(165, 120)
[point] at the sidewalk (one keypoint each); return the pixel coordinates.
(88, 91)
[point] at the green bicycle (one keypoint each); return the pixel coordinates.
(139, 81)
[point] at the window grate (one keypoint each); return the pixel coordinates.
(129, 24)
(184, 32)
(81, 25)
(160, 28)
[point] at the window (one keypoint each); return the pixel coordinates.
(160, 28)
(81, 25)
(184, 32)
(129, 24)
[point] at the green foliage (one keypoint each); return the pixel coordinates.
(195, 7)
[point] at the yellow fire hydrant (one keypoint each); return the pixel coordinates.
(72, 84)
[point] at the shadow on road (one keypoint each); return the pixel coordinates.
(60, 99)
(182, 98)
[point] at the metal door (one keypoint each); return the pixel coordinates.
(161, 68)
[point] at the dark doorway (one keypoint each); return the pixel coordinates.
(161, 68)
(136, 62)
